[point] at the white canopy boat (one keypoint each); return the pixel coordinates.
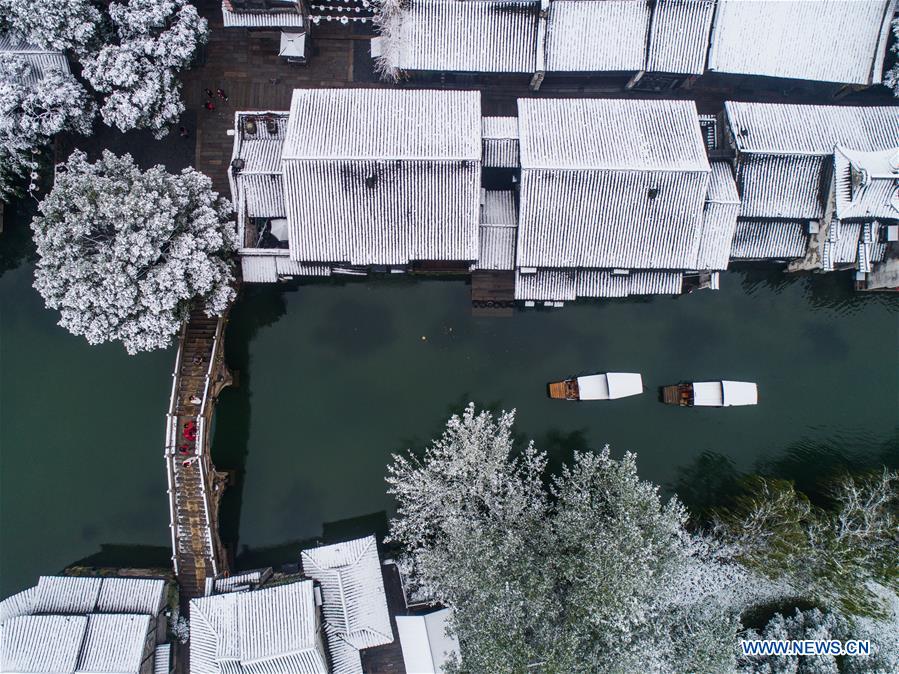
(608, 386)
(711, 394)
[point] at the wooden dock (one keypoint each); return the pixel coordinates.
(194, 486)
(492, 293)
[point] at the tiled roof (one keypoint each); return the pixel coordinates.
(568, 285)
(759, 240)
(596, 35)
(679, 36)
(826, 40)
(719, 219)
(40, 60)
(400, 182)
(268, 631)
(470, 36)
(500, 141)
(354, 601)
(499, 224)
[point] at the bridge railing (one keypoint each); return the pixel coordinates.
(171, 443)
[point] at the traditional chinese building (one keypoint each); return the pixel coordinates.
(818, 185)
(654, 45)
(68, 624)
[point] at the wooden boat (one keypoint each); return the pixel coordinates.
(711, 394)
(607, 386)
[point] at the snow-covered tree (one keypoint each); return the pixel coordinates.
(891, 76)
(125, 254)
(138, 70)
(592, 573)
(31, 114)
(388, 19)
(59, 25)
(831, 556)
(16, 162)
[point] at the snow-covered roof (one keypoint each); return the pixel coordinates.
(866, 183)
(266, 265)
(679, 36)
(783, 151)
(569, 284)
(719, 219)
(769, 239)
(42, 643)
(500, 141)
(611, 183)
(289, 18)
(114, 643)
(242, 580)
(268, 631)
(399, 182)
(41, 60)
(256, 188)
(844, 240)
(596, 35)
(610, 134)
(82, 594)
(81, 624)
(427, 647)
(354, 601)
(471, 36)
(162, 659)
(829, 40)
(784, 128)
(499, 224)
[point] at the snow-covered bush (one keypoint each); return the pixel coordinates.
(57, 25)
(138, 70)
(125, 254)
(181, 629)
(592, 573)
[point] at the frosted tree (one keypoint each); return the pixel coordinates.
(891, 76)
(138, 70)
(60, 25)
(16, 162)
(594, 573)
(388, 19)
(125, 255)
(31, 115)
(831, 556)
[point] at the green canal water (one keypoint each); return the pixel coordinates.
(334, 376)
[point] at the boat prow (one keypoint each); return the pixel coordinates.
(711, 394)
(607, 386)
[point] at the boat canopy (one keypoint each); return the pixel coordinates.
(609, 386)
(724, 393)
(740, 393)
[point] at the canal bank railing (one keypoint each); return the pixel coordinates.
(191, 477)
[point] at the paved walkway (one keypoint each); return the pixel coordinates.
(246, 66)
